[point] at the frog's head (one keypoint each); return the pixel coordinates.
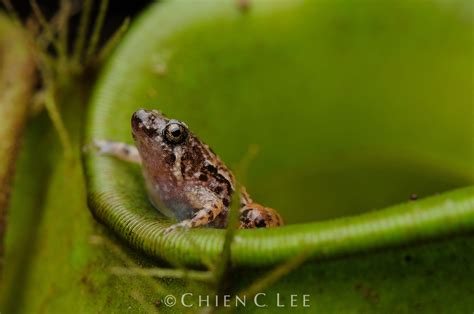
(173, 157)
(161, 142)
(151, 127)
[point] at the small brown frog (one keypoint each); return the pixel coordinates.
(184, 178)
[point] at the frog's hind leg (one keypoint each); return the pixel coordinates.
(118, 150)
(254, 215)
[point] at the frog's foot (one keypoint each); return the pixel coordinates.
(118, 150)
(184, 225)
(201, 218)
(254, 215)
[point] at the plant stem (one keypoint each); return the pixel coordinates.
(63, 26)
(52, 108)
(99, 22)
(225, 262)
(203, 276)
(112, 42)
(47, 28)
(81, 37)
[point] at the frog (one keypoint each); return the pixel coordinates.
(184, 178)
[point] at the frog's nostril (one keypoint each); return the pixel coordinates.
(136, 121)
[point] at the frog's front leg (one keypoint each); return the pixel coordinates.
(201, 217)
(118, 150)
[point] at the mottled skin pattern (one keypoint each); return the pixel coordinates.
(185, 179)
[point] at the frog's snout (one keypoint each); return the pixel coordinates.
(139, 118)
(145, 122)
(142, 119)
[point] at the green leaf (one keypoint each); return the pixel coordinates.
(16, 84)
(271, 77)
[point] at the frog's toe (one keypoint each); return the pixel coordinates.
(170, 229)
(184, 225)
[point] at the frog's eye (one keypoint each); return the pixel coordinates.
(175, 133)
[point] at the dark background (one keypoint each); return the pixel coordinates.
(116, 13)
